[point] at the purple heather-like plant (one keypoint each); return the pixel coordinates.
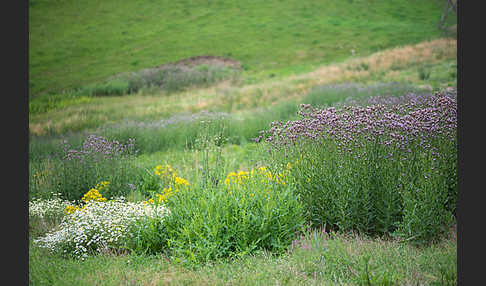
(99, 147)
(392, 122)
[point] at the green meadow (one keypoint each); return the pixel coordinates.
(72, 44)
(242, 143)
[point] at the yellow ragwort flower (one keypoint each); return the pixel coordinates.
(71, 209)
(166, 171)
(93, 194)
(181, 181)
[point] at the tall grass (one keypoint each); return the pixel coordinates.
(208, 224)
(219, 217)
(72, 172)
(176, 78)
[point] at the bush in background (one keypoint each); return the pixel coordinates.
(174, 78)
(110, 87)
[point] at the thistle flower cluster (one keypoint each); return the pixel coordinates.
(411, 120)
(97, 227)
(99, 147)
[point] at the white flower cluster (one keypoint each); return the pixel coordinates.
(41, 208)
(97, 226)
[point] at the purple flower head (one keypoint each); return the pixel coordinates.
(99, 147)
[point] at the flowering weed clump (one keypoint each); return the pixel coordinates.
(383, 168)
(169, 184)
(251, 210)
(97, 227)
(257, 178)
(77, 169)
(42, 208)
(99, 148)
(94, 193)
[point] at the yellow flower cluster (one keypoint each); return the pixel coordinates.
(236, 178)
(174, 182)
(102, 184)
(165, 171)
(71, 209)
(181, 181)
(265, 176)
(161, 198)
(92, 195)
(255, 180)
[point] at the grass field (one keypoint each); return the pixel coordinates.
(336, 260)
(70, 44)
(328, 157)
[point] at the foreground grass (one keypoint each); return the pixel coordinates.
(316, 259)
(77, 43)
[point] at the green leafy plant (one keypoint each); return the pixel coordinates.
(220, 222)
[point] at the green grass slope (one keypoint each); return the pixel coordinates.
(74, 43)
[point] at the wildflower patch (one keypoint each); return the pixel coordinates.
(99, 225)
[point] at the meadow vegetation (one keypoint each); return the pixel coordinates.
(290, 156)
(389, 175)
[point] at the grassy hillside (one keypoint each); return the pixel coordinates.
(74, 43)
(429, 64)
